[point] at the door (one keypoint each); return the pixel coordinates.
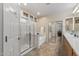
(52, 31)
(59, 39)
(11, 29)
(32, 37)
(58, 28)
(32, 32)
(24, 26)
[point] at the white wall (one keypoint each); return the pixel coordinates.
(42, 28)
(1, 29)
(44, 21)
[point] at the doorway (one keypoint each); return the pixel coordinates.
(53, 29)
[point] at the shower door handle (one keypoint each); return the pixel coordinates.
(30, 39)
(30, 36)
(6, 38)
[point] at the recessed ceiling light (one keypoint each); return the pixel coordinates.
(38, 13)
(25, 4)
(19, 4)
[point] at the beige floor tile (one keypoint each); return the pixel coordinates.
(49, 48)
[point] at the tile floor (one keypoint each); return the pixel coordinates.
(49, 48)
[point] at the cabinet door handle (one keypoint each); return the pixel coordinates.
(5, 38)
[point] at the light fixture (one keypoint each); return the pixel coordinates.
(38, 13)
(75, 9)
(78, 11)
(25, 4)
(19, 4)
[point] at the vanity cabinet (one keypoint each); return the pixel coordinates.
(67, 49)
(71, 26)
(74, 54)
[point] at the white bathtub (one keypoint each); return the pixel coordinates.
(41, 40)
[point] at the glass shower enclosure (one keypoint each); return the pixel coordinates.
(27, 33)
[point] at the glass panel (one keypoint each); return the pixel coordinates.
(24, 23)
(49, 30)
(28, 36)
(53, 32)
(69, 24)
(32, 33)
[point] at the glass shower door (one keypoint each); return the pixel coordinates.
(32, 37)
(24, 26)
(32, 33)
(27, 33)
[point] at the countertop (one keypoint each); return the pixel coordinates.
(73, 41)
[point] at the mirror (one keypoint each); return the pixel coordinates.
(69, 24)
(76, 24)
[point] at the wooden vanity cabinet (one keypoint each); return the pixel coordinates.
(74, 54)
(67, 49)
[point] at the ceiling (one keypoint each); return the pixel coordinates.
(47, 9)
